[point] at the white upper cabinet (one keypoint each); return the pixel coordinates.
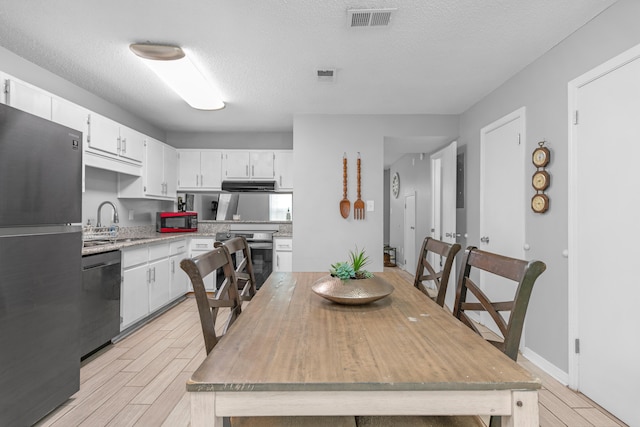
(110, 138)
(199, 169)
(26, 97)
(239, 164)
(159, 179)
(236, 165)
(261, 163)
(284, 170)
(131, 144)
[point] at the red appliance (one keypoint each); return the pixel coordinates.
(176, 222)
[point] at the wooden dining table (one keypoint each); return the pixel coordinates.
(292, 352)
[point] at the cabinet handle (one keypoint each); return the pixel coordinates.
(173, 266)
(148, 275)
(253, 170)
(197, 179)
(154, 274)
(119, 144)
(247, 170)
(278, 261)
(280, 180)
(124, 145)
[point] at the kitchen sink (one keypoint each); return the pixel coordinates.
(92, 243)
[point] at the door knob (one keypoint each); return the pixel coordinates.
(484, 239)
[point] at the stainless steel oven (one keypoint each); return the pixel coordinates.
(261, 245)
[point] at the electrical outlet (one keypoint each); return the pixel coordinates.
(369, 205)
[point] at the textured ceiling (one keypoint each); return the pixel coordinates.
(436, 57)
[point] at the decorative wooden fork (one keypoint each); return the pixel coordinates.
(358, 206)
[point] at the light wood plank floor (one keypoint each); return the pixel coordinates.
(140, 381)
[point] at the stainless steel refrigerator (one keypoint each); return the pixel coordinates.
(40, 265)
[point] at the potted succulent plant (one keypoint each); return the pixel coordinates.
(354, 268)
(349, 282)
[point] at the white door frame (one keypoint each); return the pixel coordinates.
(573, 263)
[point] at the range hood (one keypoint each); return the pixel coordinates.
(249, 186)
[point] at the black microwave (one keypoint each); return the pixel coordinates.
(176, 222)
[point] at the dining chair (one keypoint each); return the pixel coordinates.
(524, 274)
(226, 294)
(244, 268)
(426, 273)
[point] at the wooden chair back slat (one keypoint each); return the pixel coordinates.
(225, 296)
(439, 278)
(245, 277)
(524, 273)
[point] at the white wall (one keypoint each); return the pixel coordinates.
(542, 89)
(101, 185)
(321, 236)
(230, 140)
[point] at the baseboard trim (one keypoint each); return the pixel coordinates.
(546, 366)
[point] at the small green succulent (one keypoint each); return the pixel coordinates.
(354, 268)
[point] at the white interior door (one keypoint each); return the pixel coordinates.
(443, 169)
(410, 233)
(502, 199)
(603, 285)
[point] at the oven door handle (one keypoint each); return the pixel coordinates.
(261, 245)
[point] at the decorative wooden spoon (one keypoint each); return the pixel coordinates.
(345, 205)
(358, 206)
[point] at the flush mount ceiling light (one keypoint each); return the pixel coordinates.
(174, 68)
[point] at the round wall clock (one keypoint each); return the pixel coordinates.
(540, 203)
(540, 180)
(541, 156)
(395, 185)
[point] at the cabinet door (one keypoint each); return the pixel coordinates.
(178, 279)
(261, 163)
(104, 134)
(131, 144)
(154, 168)
(283, 261)
(159, 288)
(29, 98)
(236, 164)
(284, 170)
(211, 169)
(188, 169)
(170, 171)
(134, 302)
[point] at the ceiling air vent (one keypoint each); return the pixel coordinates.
(326, 75)
(369, 17)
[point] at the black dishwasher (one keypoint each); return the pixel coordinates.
(99, 300)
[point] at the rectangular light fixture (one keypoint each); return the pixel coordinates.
(178, 72)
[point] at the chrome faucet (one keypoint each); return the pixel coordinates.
(115, 213)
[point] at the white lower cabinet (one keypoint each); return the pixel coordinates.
(150, 279)
(201, 245)
(178, 279)
(282, 254)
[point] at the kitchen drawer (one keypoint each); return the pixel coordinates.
(158, 251)
(178, 247)
(283, 244)
(135, 256)
(202, 244)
